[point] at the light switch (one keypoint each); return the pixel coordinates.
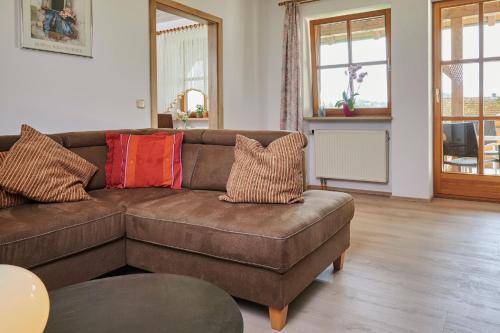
(140, 103)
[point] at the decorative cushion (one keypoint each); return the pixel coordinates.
(136, 161)
(267, 175)
(40, 169)
(7, 199)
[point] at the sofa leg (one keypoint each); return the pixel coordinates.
(338, 264)
(278, 317)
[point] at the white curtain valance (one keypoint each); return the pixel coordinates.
(182, 62)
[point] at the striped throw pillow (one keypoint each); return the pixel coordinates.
(40, 169)
(267, 175)
(7, 199)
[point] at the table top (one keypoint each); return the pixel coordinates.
(143, 303)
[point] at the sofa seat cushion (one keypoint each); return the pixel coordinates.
(126, 197)
(34, 234)
(272, 236)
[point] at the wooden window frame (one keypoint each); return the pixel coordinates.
(315, 68)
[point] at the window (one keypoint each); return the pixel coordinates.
(340, 42)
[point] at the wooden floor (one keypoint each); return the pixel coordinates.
(412, 267)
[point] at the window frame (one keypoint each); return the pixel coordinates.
(315, 67)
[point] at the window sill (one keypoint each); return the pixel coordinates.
(194, 119)
(349, 119)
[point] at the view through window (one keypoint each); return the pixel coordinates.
(354, 40)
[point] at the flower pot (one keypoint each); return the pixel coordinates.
(205, 114)
(347, 111)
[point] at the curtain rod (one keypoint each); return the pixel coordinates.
(300, 2)
(186, 27)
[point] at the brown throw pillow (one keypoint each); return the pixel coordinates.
(7, 199)
(267, 175)
(40, 169)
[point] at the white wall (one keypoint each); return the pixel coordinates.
(412, 99)
(242, 106)
(411, 140)
(56, 92)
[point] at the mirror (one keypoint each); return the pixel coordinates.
(193, 99)
(194, 103)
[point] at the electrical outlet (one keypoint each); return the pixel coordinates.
(140, 104)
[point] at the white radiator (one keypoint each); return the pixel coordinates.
(361, 155)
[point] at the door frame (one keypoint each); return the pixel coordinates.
(452, 185)
(215, 54)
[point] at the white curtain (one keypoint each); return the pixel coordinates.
(182, 63)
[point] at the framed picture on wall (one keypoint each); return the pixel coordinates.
(63, 26)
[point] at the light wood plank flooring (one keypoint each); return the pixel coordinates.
(412, 267)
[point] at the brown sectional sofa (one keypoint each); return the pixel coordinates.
(266, 254)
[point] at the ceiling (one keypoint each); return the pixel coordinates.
(166, 21)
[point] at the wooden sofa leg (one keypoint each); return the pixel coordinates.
(278, 317)
(338, 264)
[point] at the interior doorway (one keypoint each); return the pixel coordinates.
(186, 65)
(467, 99)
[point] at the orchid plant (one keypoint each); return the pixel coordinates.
(349, 95)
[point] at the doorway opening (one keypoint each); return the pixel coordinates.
(186, 66)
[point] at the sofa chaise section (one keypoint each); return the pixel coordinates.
(268, 253)
(274, 237)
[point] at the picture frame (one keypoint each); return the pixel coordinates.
(62, 26)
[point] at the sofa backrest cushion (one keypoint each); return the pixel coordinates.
(228, 137)
(190, 153)
(92, 146)
(212, 168)
(97, 156)
(207, 155)
(216, 156)
(7, 141)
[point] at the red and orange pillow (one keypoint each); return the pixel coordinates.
(136, 161)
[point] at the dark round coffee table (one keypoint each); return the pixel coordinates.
(143, 303)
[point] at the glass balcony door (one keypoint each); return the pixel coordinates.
(467, 99)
